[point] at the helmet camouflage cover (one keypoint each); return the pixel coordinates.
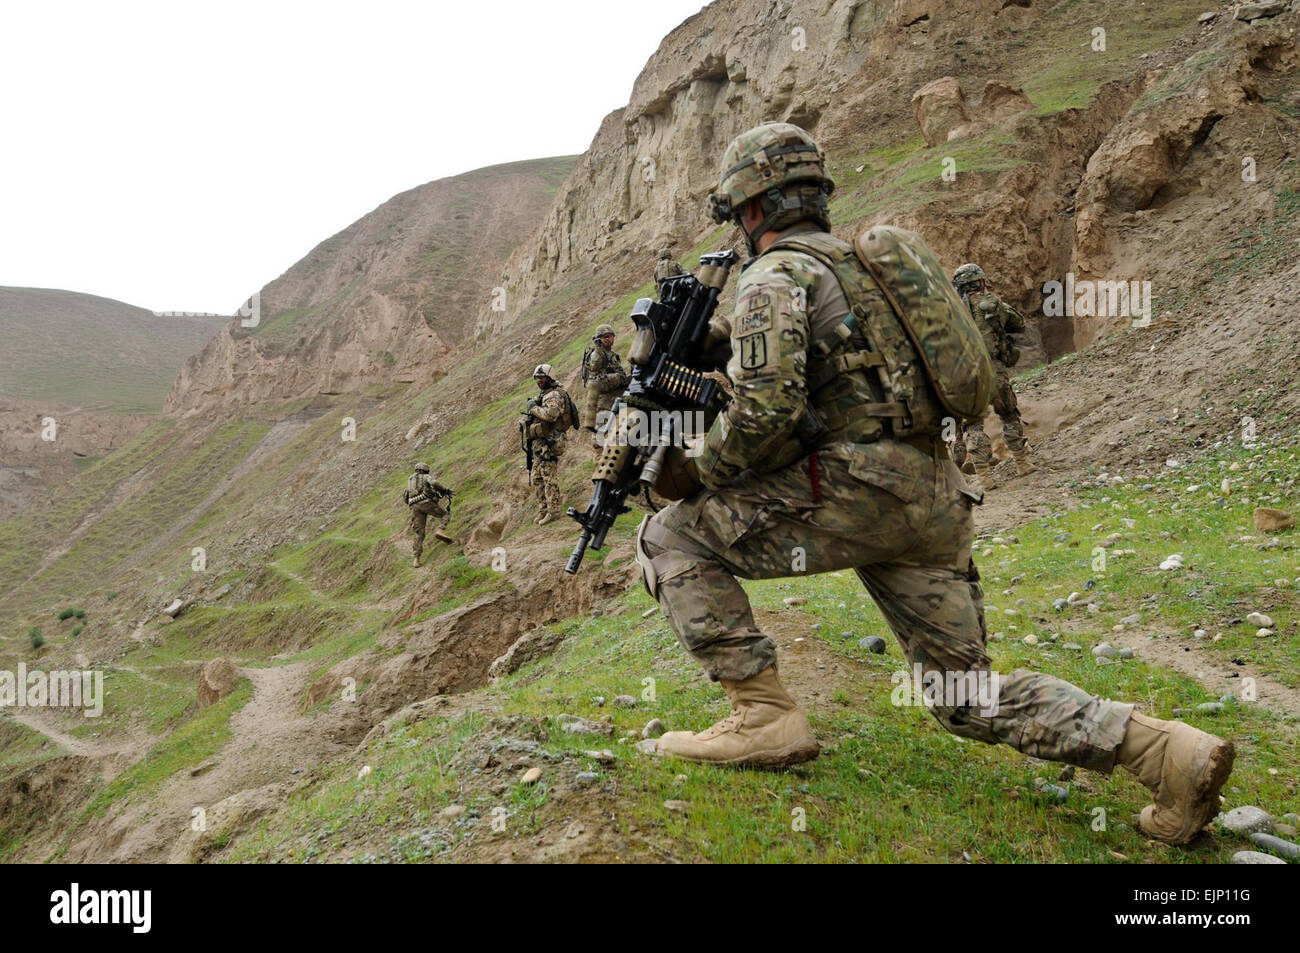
(421, 468)
(544, 370)
(781, 163)
(602, 330)
(968, 274)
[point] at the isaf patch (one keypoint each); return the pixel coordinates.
(757, 318)
(753, 351)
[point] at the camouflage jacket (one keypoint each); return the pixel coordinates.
(784, 299)
(550, 417)
(420, 484)
(604, 377)
(666, 268)
(997, 321)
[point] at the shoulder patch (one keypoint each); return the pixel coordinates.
(753, 350)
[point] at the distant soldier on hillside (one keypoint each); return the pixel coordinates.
(604, 378)
(543, 425)
(997, 320)
(666, 267)
(426, 497)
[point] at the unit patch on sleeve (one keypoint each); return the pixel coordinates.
(753, 351)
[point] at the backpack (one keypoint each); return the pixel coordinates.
(933, 325)
(575, 419)
(949, 343)
(586, 355)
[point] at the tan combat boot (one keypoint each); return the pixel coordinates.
(415, 561)
(1024, 466)
(544, 519)
(1183, 767)
(439, 534)
(984, 476)
(766, 728)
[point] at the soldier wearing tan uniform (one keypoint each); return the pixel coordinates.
(426, 497)
(665, 267)
(838, 457)
(604, 377)
(549, 416)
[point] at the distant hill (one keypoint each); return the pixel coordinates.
(82, 350)
(389, 298)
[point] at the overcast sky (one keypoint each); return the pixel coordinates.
(179, 156)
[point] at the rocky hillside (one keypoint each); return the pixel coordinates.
(389, 298)
(323, 699)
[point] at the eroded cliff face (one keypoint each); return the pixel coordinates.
(387, 299)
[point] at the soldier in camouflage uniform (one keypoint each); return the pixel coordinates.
(780, 495)
(545, 423)
(997, 321)
(604, 378)
(433, 499)
(666, 267)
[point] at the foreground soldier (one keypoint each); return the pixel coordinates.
(549, 415)
(426, 497)
(604, 378)
(666, 267)
(997, 320)
(894, 508)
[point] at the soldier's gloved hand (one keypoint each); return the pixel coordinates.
(535, 411)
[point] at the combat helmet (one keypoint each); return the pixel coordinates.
(421, 468)
(967, 276)
(601, 331)
(782, 166)
(665, 253)
(544, 370)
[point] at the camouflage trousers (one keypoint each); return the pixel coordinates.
(900, 517)
(546, 483)
(975, 442)
(419, 521)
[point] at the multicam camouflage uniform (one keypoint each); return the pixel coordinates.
(895, 511)
(547, 426)
(421, 484)
(604, 377)
(666, 267)
(998, 321)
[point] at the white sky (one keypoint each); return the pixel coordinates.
(178, 156)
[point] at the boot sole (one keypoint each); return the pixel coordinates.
(779, 758)
(1205, 795)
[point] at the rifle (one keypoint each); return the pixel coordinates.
(425, 497)
(525, 441)
(668, 374)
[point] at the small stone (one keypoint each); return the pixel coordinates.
(653, 728)
(586, 777)
(364, 772)
(530, 776)
(1124, 653)
(604, 756)
(1263, 633)
(1172, 562)
(1255, 857)
(1103, 650)
(1246, 820)
(1284, 830)
(1056, 792)
(598, 700)
(1210, 708)
(1206, 17)
(624, 701)
(1060, 604)
(1067, 773)
(1030, 639)
(873, 644)
(1199, 634)
(795, 601)
(648, 746)
(649, 612)
(1276, 845)
(451, 812)
(1134, 619)
(1261, 620)
(679, 807)
(1072, 646)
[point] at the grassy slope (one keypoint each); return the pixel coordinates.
(69, 348)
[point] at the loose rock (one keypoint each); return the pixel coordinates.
(1277, 845)
(1246, 820)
